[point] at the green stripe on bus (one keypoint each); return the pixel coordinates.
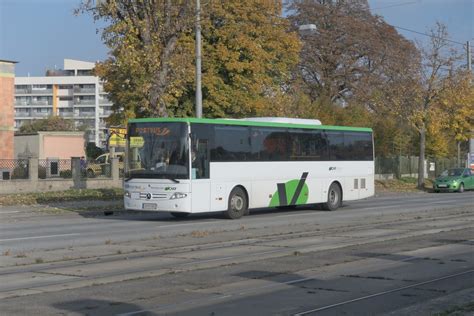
(290, 188)
(248, 123)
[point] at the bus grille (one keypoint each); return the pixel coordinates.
(153, 195)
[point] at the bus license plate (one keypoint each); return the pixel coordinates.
(149, 206)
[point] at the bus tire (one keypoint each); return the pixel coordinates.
(238, 205)
(334, 197)
(179, 214)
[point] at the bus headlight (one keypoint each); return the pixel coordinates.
(127, 194)
(178, 195)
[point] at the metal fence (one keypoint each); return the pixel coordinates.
(54, 168)
(398, 166)
(445, 163)
(11, 169)
(401, 166)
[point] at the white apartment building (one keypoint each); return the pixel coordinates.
(72, 93)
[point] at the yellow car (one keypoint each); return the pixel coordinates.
(102, 166)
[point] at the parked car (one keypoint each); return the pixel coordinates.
(456, 179)
(101, 165)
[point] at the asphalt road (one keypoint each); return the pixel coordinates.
(395, 254)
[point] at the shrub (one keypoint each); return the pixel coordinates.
(65, 174)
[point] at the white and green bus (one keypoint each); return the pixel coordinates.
(190, 165)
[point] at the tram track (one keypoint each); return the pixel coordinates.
(374, 295)
(193, 263)
(255, 240)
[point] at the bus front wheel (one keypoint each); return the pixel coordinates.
(238, 205)
(334, 198)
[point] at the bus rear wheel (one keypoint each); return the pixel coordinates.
(179, 214)
(334, 198)
(238, 205)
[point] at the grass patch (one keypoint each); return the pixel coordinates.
(458, 310)
(199, 233)
(400, 185)
(60, 196)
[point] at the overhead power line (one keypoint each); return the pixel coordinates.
(394, 5)
(428, 35)
(409, 30)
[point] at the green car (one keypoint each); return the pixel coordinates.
(457, 179)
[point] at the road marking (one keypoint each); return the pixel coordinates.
(133, 313)
(38, 237)
(232, 257)
(446, 201)
(379, 207)
(188, 224)
(299, 214)
(382, 293)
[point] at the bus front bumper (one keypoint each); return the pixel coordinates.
(164, 205)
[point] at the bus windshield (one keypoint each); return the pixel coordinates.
(158, 151)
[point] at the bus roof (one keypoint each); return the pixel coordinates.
(248, 123)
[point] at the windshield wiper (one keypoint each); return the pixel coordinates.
(173, 179)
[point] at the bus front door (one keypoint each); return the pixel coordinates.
(200, 184)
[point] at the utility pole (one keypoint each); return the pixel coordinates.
(469, 62)
(471, 141)
(198, 60)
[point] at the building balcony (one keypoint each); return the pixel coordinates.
(106, 113)
(65, 93)
(32, 103)
(22, 114)
(66, 114)
(41, 114)
(84, 90)
(39, 103)
(86, 114)
(22, 91)
(45, 91)
(105, 101)
(84, 102)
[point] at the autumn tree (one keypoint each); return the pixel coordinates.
(350, 52)
(457, 106)
(439, 60)
(50, 124)
(415, 95)
(247, 56)
(143, 40)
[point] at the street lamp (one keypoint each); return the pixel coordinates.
(307, 28)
